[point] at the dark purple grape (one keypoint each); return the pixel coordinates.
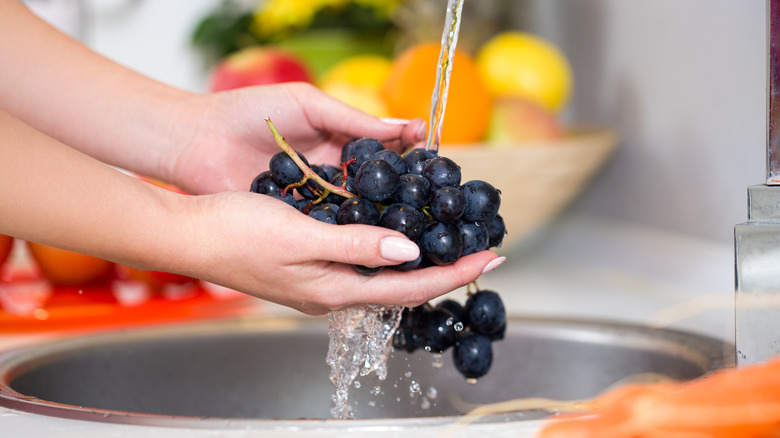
(403, 218)
(407, 336)
(408, 266)
(441, 243)
(287, 198)
(447, 204)
(496, 231)
(482, 201)
(325, 213)
(346, 150)
(393, 158)
(455, 308)
(357, 211)
(376, 180)
(441, 172)
(334, 198)
(365, 270)
(474, 237)
(473, 355)
(412, 190)
(361, 151)
(331, 171)
(485, 314)
(264, 183)
(312, 189)
(284, 170)
(415, 159)
(437, 329)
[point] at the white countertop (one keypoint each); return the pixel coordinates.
(577, 267)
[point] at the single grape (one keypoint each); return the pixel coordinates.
(325, 213)
(442, 172)
(496, 231)
(391, 157)
(438, 331)
(287, 198)
(284, 170)
(473, 355)
(403, 218)
(376, 180)
(415, 159)
(447, 204)
(474, 237)
(410, 265)
(331, 171)
(337, 180)
(346, 150)
(412, 190)
(361, 151)
(485, 314)
(441, 242)
(482, 201)
(455, 308)
(365, 270)
(357, 211)
(408, 336)
(264, 183)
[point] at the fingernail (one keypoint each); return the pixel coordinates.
(394, 121)
(493, 264)
(398, 249)
(422, 132)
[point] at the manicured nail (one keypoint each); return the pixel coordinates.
(398, 249)
(493, 264)
(422, 132)
(394, 121)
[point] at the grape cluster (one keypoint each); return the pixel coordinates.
(421, 195)
(469, 329)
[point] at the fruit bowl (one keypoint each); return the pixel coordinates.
(537, 180)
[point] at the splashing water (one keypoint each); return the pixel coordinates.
(360, 341)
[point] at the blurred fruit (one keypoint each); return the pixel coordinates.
(523, 65)
(517, 120)
(410, 83)
(63, 267)
(6, 243)
(258, 66)
(358, 81)
(155, 279)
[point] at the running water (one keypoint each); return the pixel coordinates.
(449, 41)
(360, 341)
(360, 337)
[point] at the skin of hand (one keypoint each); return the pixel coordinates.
(221, 140)
(205, 144)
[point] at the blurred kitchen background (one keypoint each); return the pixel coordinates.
(683, 84)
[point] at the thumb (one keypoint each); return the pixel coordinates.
(362, 245)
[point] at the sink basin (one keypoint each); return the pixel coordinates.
(272, 372)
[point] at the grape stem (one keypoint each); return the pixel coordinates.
(307, 172)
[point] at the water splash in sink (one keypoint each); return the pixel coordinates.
(360, 341)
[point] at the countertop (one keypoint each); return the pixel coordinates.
(576, 267)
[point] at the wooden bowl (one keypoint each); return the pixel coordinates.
(537, 180)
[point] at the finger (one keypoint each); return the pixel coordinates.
(420, 286)
(359, 245)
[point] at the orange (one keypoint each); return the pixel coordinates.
(409, 86)
(69, 268)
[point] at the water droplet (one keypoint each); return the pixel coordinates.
(414, 388)
(449, 321)
(458, 326)
(425, 404)
(437, 360)
(471, 381)
(372, 403)
(356, 384)
(432, 393)
(408, 374)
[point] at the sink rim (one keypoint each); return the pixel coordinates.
(707, 352)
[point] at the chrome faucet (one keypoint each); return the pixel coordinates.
(757, 241)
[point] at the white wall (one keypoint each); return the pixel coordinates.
(683, 82)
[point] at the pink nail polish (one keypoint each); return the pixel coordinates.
(398, 249)
(493, 264)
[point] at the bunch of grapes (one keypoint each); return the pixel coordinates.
(421, 195)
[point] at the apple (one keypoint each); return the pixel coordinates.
(519, 120)
(259, 65)
(6, 243)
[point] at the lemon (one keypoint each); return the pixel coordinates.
(364, 70)
(361, 97)
(523, 65)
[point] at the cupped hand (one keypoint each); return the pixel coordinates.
(263, 247)
(221, 140)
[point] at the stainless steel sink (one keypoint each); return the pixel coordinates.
(273, 372)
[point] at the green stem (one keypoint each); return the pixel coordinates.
(307, 172)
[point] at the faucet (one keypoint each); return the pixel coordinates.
(757, 241)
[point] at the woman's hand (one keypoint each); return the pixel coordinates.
(264, 247)
(221, 141)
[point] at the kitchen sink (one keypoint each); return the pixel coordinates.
(272, 372)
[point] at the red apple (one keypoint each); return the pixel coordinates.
(516, 120)
(259, 65)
